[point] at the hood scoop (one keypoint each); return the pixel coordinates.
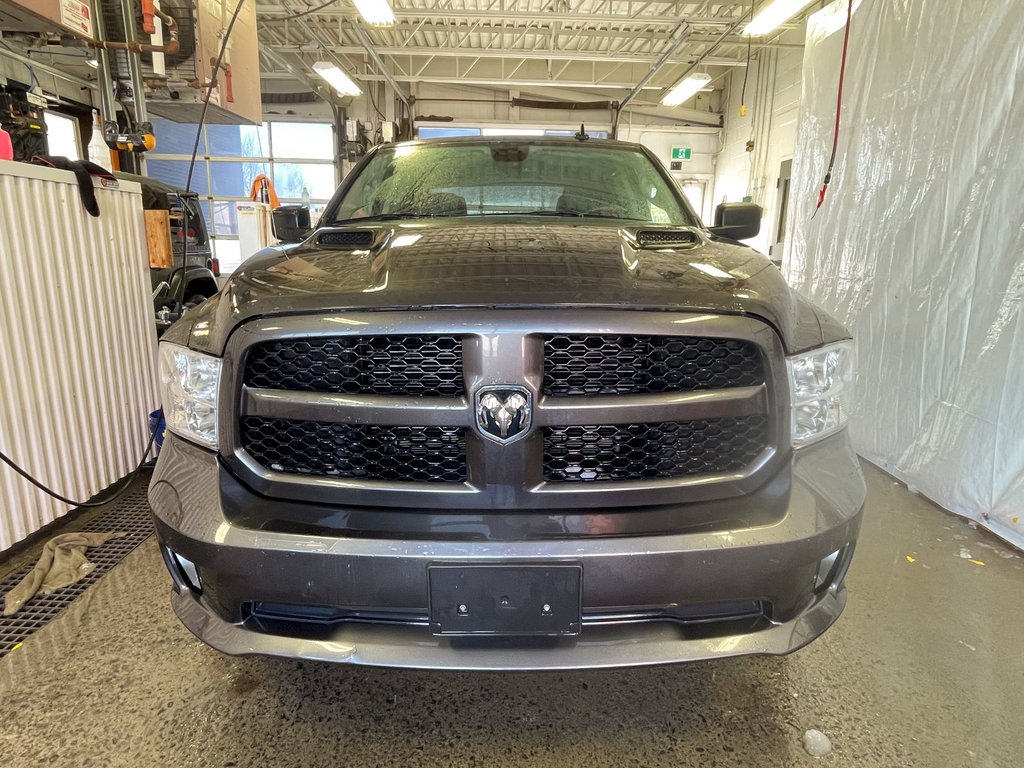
(667, 238)
(345, 238)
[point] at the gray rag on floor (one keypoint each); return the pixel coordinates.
(61, 564)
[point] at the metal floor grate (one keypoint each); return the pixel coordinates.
(129, 514)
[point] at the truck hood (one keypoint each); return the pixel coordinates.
(520, 263)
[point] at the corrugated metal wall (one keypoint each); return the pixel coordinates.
(77, 342)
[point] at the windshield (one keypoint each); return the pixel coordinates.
(509, 178)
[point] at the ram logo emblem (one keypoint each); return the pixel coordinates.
(503, 413)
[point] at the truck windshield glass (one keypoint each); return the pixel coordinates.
(502, 179)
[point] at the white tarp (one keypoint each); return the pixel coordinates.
(919, 247)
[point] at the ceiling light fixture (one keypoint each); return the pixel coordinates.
(342, 83)
(375, 12)
(685, 89)
(774, 14)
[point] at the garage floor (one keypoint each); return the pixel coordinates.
(925, 668)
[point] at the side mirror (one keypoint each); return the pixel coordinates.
(739, 221)
(291, 223)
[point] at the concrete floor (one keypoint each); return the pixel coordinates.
(925, 668)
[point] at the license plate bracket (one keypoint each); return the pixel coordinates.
(505, 600)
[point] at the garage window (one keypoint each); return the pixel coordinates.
(296, 155)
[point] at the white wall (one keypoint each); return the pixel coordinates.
(773, 108)
(699, 170)
(465, 103)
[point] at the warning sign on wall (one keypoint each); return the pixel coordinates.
(76, 15)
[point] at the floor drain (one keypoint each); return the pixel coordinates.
(129, 514)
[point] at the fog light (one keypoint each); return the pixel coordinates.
(188, 571)
(823, 578)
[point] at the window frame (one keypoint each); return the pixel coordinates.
(205, 161)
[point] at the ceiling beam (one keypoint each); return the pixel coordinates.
(702, 58)
(266, 13)
(483, 82)
(541, 55)
(684, 35)
(381, 66)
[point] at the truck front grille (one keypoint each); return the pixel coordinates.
(648, 451)
(619, 365)
(634, 414)
(409, 454)
(428, 366)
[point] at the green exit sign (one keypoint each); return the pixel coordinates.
(681, 153)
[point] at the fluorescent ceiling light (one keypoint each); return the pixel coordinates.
(774, 14)
(337, 79)
(375, 12)
(685, 89)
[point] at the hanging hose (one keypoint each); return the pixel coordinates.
(214, 74)
(839, 110)
(746, 70)
(125, 484)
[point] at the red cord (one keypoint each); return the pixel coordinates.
(839, 107)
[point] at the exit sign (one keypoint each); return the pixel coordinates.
(681, 153)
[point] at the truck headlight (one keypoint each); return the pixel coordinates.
(820, 388)
(189, 383)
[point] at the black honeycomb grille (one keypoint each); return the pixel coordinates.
(428, 366)
(652, 451)
(665, 238)
(365, 452)
(354, 238)
(619, 365)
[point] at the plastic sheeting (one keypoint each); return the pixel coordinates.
(919, 247)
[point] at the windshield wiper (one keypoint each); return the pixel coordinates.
(384, 217)
(571, 214)
(399, 216)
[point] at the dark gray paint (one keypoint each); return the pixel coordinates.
(774, 562)
(511, 264)
(755, 535)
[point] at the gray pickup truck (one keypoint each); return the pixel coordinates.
(510, 406)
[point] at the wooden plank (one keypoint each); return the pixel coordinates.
(158, 239)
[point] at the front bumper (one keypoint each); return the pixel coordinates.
(629, 583)
(597, 647)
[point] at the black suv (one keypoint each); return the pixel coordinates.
(510, 406)
(202, 270)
